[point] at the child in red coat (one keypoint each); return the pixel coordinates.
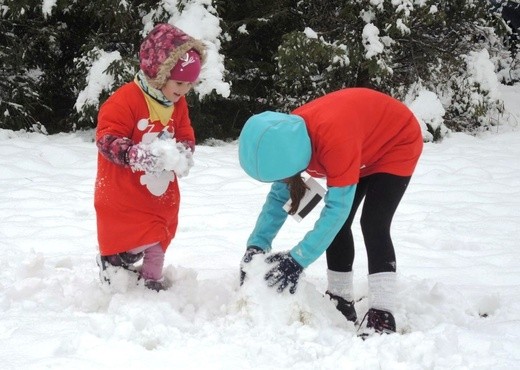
(145, 141)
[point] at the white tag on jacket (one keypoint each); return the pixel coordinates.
(312, 197)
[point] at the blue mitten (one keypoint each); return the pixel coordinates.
(286, 272)
(248, 256)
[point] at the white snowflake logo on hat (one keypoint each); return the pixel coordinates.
(187, 60)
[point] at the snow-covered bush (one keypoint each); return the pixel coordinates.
(475, 97)
(392, 46)
(312, 67)
(61, 60)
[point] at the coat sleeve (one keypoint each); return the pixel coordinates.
(338, 202)
(114, 129)
(271, 218)
(114, 148)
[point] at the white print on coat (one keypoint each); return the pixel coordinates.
(142, 124)
(156, 183)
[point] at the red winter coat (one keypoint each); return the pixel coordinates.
(357, 132)
(134, 208)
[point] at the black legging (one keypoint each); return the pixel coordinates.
(382, 193)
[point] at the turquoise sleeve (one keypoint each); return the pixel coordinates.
(338, 202)
(271, 218)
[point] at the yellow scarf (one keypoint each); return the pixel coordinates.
(158, 111)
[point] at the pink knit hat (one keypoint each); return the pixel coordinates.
(169, 53)
(187, 68)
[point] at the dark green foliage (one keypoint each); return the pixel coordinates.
(252, 32)
(277, 56)
(109, 26)
(311, 69)
(419, 46)
(44, 58)
(22, 36)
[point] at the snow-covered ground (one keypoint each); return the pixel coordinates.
(456, 233)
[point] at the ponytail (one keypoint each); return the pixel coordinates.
(297, 190)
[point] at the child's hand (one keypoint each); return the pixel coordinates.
(142, 158)
(161, 155)
(285, 273)
(185, 162)
(251, 251)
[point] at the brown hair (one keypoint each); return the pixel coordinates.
(297, 190)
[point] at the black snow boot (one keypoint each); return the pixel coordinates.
(345, 307)
(379, 322)
(109, 265)
(157, 285)
(125, 260)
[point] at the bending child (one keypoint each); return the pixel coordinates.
(366, 144)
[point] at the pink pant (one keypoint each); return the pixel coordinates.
(153, 261)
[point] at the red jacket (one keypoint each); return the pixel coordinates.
(357, 132)
(134, 208)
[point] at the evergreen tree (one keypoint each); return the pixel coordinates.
(111, 31)
(45, 54)
(23, 36)
(252, 31)
(397, 47)
(278, 55)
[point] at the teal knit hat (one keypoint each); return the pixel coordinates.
(274, 146)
